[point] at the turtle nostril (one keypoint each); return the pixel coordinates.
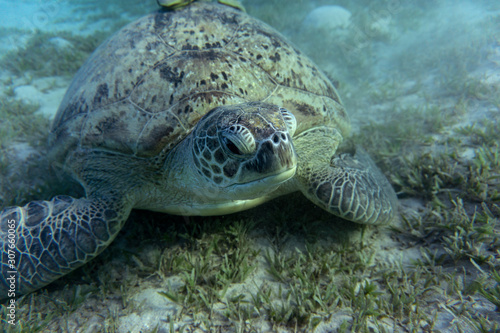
(283, 137)
(276, 139)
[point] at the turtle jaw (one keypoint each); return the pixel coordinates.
(260, 187)
(274, 162)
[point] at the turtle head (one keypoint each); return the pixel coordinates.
(244, 151)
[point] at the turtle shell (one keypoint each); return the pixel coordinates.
(145, 88)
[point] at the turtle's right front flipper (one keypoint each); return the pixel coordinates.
(348, 185)
(45, 240)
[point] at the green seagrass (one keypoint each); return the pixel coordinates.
(199, 111)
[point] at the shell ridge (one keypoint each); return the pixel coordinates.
(174, 49)
(236, 31)
(140, 109)
(271, 78)
(139, 137)
(278, 86)
(308, 92)
(185, 128)
(148, 71)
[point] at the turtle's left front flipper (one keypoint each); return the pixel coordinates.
(45, 240)
(347, 185)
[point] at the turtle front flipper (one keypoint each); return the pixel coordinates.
(45, 240)
(347, 185)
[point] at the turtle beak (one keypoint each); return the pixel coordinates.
(274, 156)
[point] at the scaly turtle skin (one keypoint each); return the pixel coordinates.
(198, 111)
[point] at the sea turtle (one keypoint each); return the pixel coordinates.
(199, 111)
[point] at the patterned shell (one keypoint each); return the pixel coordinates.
(144, 89)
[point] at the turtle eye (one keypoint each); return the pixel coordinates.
(238, 140)
(232, 146)
(290, 121)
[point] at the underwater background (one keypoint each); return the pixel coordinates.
(421, 83)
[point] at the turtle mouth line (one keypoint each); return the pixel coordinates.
(275, 179)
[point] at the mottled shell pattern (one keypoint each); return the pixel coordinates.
(144, 89)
